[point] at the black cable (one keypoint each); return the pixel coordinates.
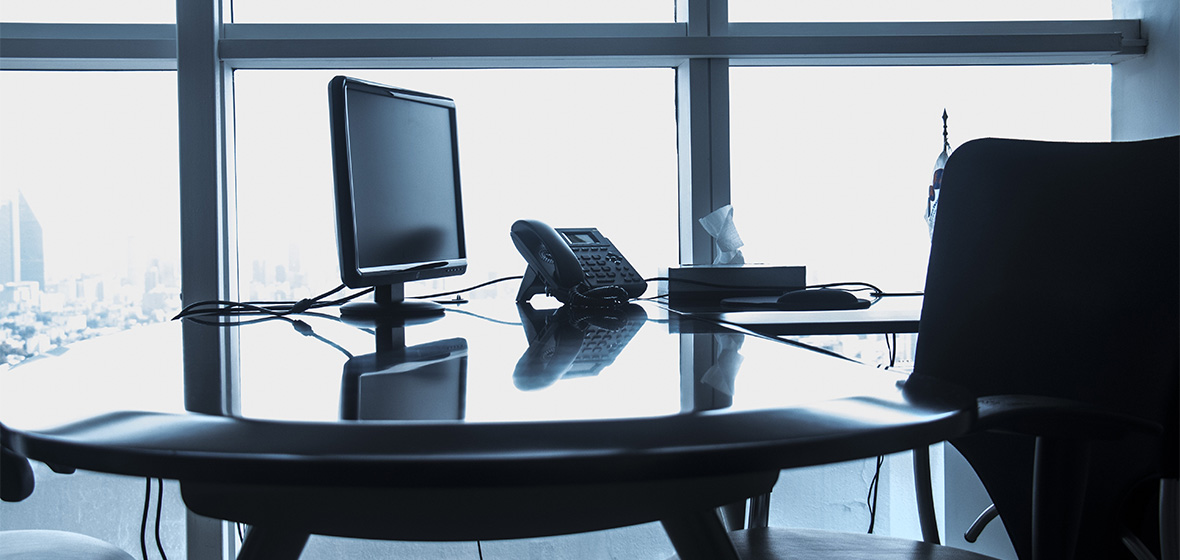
(485, 318)
(472, 288)
(159, 508)
(225, 308)
(874, 487)
(299, 326)
(479, 549)
(738, 327)
(147, 500)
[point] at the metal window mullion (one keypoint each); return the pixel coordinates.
(208, 245)
(31, 46)
(702, 115)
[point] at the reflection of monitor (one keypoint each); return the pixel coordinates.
(423, 382)
(398, 207)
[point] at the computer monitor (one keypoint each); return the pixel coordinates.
(399, 215)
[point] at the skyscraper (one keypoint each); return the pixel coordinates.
(22, 251)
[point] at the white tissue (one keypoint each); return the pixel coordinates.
(719, 224)
(723, 373)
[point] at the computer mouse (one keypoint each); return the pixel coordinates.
(819, 299)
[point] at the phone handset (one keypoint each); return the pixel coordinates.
(578, 266)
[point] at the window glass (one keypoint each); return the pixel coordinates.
(88, 11)
(831, 167)
(572, 148)
(89, 206)
(917, 10)
(89, 245)
(453, 11)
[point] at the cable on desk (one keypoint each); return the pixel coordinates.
(485, 318)
(300, 327)
(225, 308)
(472, 288)
(739, 328)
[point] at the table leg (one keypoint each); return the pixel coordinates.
(271, 543)
(700, 535)
(734, 516)
(760, 511)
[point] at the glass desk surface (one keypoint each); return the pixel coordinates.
(489, 363)
(515, 394)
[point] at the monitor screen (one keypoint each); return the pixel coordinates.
(398, 206)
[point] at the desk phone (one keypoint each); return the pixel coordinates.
(578, 266)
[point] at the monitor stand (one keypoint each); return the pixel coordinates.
(389, 305)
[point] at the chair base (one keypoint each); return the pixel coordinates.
(800, 544)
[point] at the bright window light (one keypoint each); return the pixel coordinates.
(572, 148)
(88, 11)
(453, 11)
(90, 162)
(916, 10)
(831, 166)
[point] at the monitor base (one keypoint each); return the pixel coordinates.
(393, 310)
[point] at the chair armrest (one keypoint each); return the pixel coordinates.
(1055, 417)
(16, 476)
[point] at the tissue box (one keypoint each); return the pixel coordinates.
(710, 283)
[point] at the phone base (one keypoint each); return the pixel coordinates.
(531, 285)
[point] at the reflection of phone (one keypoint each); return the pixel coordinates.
(569, 342)
(578, 266)
(423, 382)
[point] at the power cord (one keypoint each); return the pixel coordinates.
(223, 308)
(278, 309)
(871, 500)
(147, 500)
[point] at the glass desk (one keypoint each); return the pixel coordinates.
(495, 421)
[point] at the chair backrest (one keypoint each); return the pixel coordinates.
(1055, 270)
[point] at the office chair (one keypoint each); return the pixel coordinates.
(1052, 295)
(16, 484)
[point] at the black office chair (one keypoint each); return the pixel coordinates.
(1052, 295)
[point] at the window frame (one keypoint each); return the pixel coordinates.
(204, 49)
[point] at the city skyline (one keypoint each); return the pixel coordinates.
(22, 250)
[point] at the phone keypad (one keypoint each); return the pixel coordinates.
(603, 267)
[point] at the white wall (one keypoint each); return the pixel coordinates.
(1145, 92)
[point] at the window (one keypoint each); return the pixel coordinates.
(602, 125)
(920, 10)
(88, 169)
(831, 166)
(87, 11)
(572, 147)
(89, 189)
(453, 11)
